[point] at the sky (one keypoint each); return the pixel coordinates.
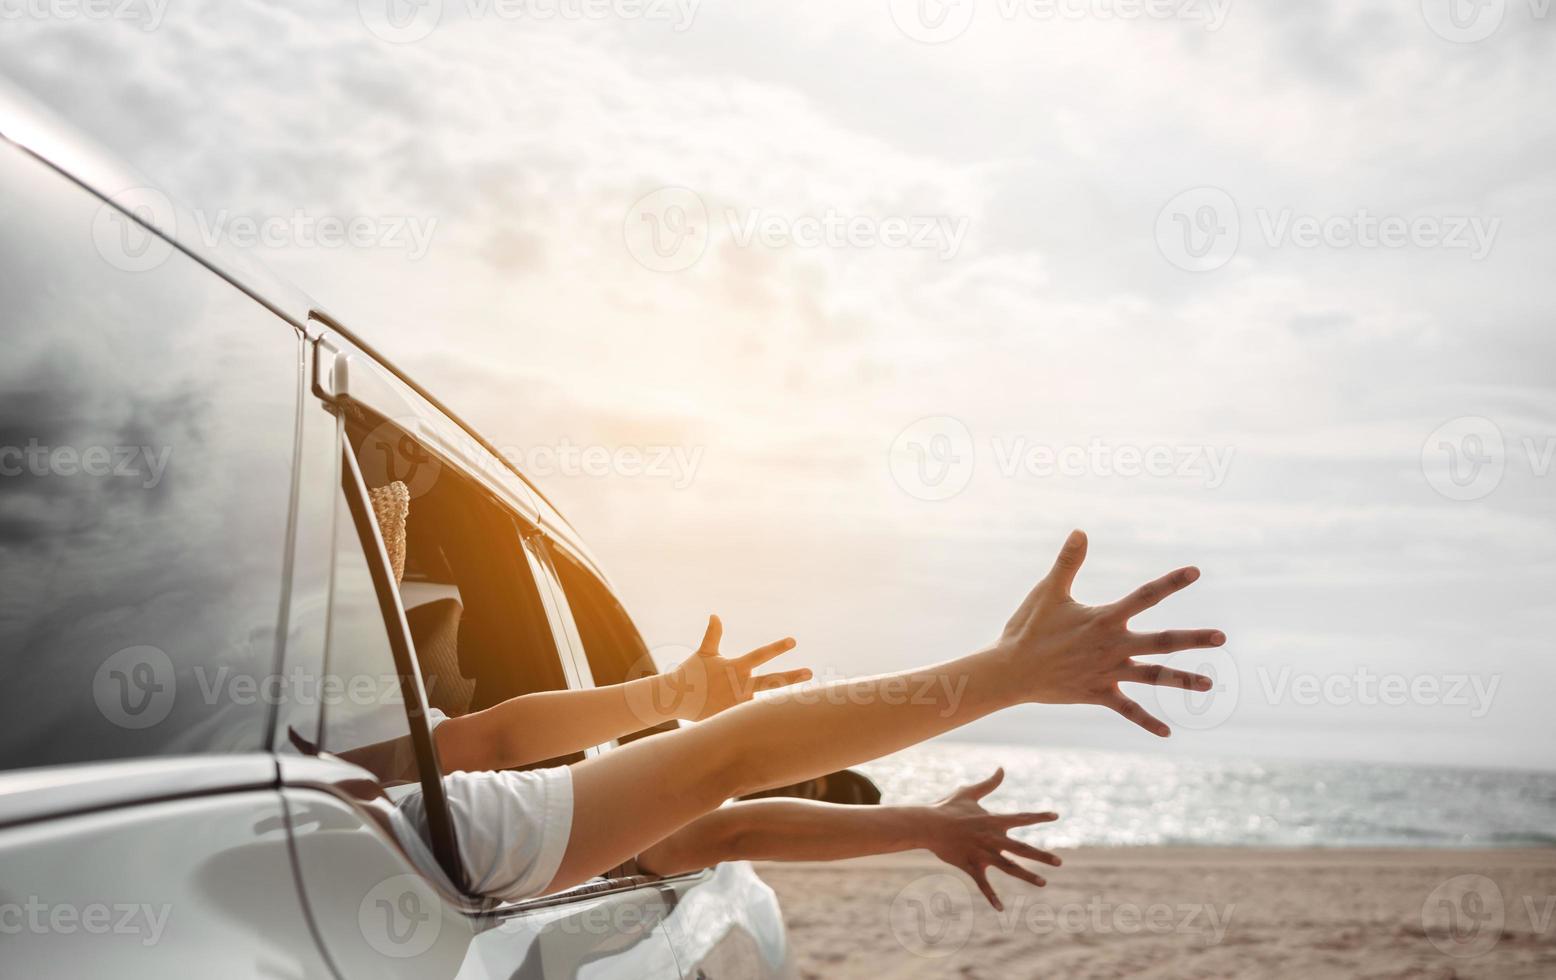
(834, 319)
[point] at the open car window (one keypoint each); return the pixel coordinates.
(475, 612)
(614, 647)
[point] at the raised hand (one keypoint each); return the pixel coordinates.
(1069, 653)
(966, 836)
(707, 683)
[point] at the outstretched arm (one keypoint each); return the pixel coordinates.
(549, 724)
(1054, 650)
(957, 829)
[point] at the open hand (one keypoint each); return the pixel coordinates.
(1069, 653)
(971, 839)
(706, 683)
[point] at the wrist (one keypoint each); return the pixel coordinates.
(925, 827)
(672, 691)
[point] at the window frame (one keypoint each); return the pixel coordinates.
(440, 825)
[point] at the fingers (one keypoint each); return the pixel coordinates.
(981, 879)
(1165, 677)
(978, 791)
(712, 638)
(1023, 849)
(1071, 556)
(1151, 593)
(1007, 821)
(1132, 710)
(771, 682)
(1015, 870)
(1171, 641)
(761, 655)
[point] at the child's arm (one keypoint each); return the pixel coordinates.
(957, 829)
(550, 724)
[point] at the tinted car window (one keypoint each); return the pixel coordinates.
(147, 416)
(364, 705)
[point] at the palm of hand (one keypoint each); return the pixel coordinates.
(1072, 653)
(973, 840)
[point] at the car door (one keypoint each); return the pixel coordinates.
(147, 414)
(386, 904)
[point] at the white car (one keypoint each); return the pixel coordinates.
(196, 599)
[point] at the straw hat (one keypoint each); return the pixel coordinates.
(392, 507)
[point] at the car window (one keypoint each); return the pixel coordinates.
(614, 647)
(472, 603)
(363, 701)
(147, 419)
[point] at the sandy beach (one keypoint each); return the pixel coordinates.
(1182, 912)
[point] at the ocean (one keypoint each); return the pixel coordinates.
(1115, 798)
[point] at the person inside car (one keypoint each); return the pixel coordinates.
(523, 834)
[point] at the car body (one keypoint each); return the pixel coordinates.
(184, 519)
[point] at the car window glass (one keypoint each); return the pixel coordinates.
(147, 419)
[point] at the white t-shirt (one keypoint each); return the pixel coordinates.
(512, 827)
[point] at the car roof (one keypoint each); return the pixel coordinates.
(34, 128)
